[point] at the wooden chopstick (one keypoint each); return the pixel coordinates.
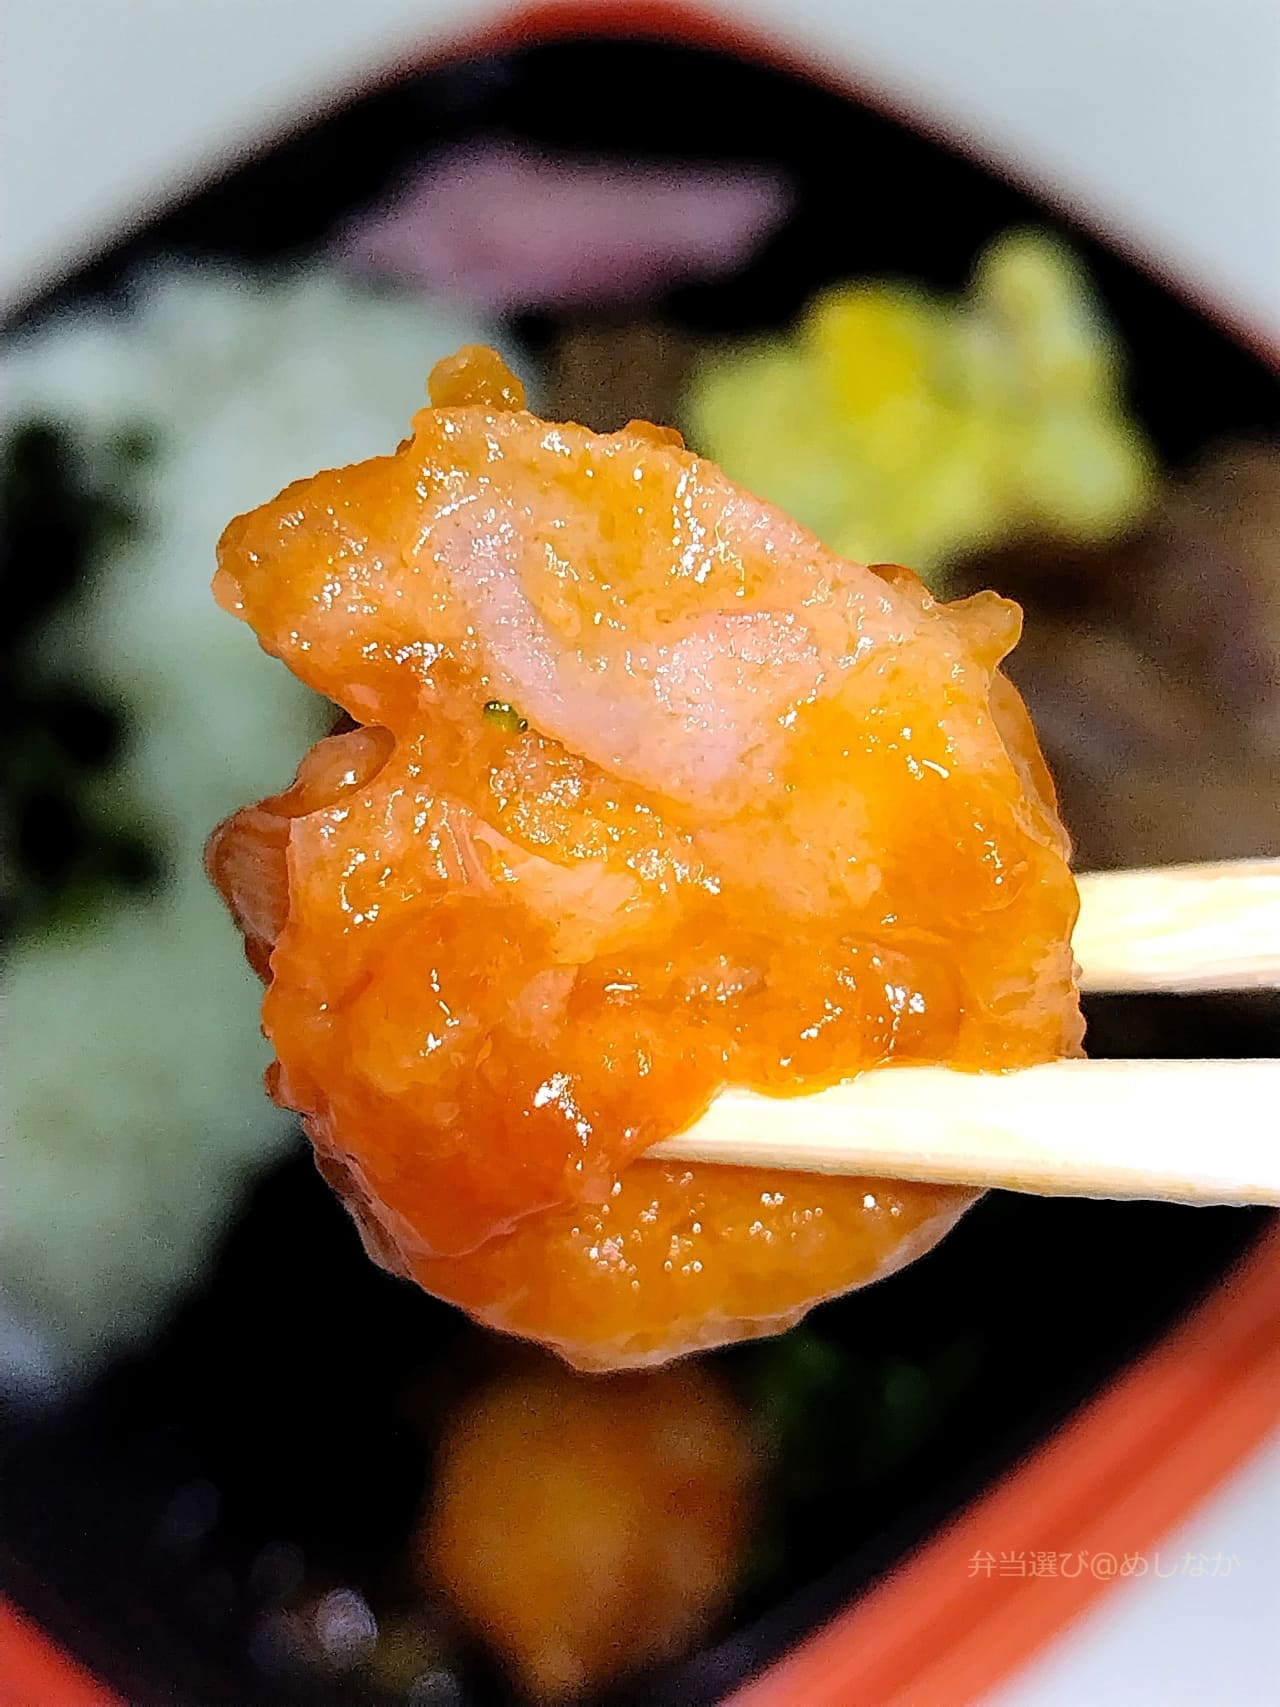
(1178, 1131)
(1181, 927)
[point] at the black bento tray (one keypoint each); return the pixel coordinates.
(271, 1408)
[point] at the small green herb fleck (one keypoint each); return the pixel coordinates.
(505, 716)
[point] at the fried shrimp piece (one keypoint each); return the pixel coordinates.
(649, 794)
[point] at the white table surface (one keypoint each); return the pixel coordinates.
(1161, 117)
(1187, 1641)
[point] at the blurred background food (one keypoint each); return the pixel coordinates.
(902, 426)
(241, 1455)
(586, 1526)
(503, 226)
(132, 431)
(1152, 666)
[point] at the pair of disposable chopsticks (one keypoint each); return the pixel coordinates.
(1182, 1131)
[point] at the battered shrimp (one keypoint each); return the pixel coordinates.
(649, 794)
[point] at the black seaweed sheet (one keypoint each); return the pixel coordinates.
(274, 1408)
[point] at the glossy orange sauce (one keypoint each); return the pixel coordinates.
(650, 794)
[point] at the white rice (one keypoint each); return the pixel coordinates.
(132, 1084)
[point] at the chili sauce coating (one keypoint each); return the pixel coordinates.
(648, 794)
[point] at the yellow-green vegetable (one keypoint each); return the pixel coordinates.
(910, 427)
